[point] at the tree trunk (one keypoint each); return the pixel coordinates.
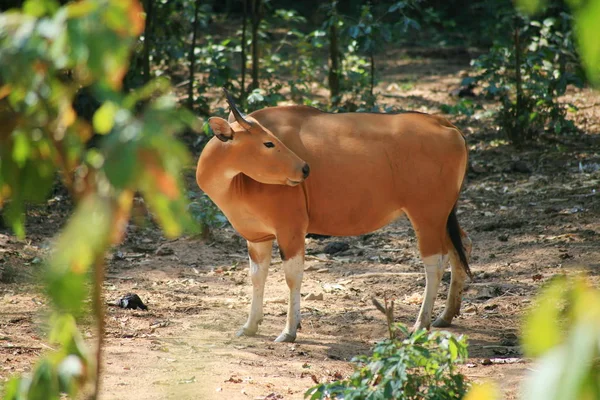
(256, 17)
(147, 40)
(192, 57)
(98, 307)
(518, 133)
(334, 59)
(372, 57)
(243, 84)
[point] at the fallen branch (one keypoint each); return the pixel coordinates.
(308, 257)
(123, 278)
(18, 347)
(315, 258)
(383, 274)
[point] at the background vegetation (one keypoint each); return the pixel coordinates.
(93, 92)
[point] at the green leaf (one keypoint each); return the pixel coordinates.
(44, 385)
(64, 333)
(484, 391)
(255, 97)
(120, 163)
(582, 347)
(21, 148)
(38, 178)
(543, 384)
(104, 118)
(14, 212)
(530, 6)
(13, 389)
(452, 347)
(586, 23)
(397, 6)
(38, 8)
(84, 238)
(81, 9)
(542, 329)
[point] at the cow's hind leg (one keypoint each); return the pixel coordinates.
(433, 249)
(434, 269)
(260, 259)
(457, 282)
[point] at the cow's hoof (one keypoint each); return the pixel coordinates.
(441, 323)
(246, 332)
(418, 326)
(286, 338)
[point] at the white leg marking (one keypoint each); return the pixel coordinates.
(434, 269)
(294, 269)
(258, 275)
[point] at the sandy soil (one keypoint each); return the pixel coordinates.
(532, 215)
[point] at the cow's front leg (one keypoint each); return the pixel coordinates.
(260, 259)
(292, 254)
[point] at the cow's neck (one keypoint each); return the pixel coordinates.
(216, 178)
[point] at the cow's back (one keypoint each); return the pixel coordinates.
(365, 167)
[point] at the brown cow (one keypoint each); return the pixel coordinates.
(282, 172)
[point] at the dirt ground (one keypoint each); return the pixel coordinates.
(532, 215)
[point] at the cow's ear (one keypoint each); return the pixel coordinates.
(221, 129)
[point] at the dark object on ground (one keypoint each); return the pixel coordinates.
(464, 91)
(132, 301)
(336, 247)
(315, 236)
(495, 225)
(520, 166)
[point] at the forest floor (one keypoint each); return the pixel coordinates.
(532, 214)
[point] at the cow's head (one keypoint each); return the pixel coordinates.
(254, 151)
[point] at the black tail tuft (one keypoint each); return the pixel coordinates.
(455, 237)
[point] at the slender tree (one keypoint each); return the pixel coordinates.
(372, 61)
(243, 55)
(519, 98)
(192, 56)
(256, 18)
(148, 39)
(334, 56)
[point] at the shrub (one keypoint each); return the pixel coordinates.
(206, 214)
(528, 75)
(563, 332)
(422, 366)
(48, 52)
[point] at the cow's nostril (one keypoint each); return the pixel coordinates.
(306, 170)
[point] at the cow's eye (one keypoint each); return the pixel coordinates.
(269, 145)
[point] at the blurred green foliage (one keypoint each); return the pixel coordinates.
(587, 15)
(562, 332)
(63, 371)
(48, 53)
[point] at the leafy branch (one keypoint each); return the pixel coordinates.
(49, 53)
